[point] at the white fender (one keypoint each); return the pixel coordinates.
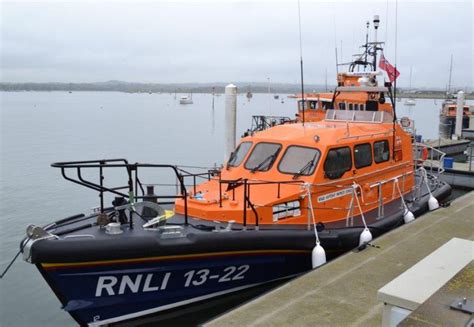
(318, 256)
(408, 216)
(365, 237)
(433, 204)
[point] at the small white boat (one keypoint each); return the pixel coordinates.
(410, 102)
(186, 99)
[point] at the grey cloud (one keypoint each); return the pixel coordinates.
(229, 41)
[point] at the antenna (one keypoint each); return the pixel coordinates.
(376, 27)
(301, 59)
(386, 25)
(395, 81)
(450, 73)
(366, 54)
(410, 78)
(335, 40)
(326, 79)
(341, 52)
(268, 92)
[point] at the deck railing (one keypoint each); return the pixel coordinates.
(133, 182)
(426, 154)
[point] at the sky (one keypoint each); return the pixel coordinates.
(229, 41)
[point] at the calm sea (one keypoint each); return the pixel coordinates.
(38, 128)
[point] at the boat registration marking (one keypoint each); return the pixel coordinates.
(110, 285)
(334, 195)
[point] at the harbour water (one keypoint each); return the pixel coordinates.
(38, 128)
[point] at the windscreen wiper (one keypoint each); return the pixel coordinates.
(231, 158)
(268, 160)
(305, 168)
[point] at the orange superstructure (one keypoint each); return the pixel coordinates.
(356, 91)
(366, 143)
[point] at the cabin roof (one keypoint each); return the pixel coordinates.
(343, 96)
(327, 131)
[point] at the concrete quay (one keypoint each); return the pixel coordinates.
(344, 291)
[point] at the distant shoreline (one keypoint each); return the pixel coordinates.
(419, 95)
(217, 87)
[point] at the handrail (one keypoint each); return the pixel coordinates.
(262, 122)
(133, 181)
(434, 163)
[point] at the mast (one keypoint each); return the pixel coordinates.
(394, 104)
(376, 27)
(450, 74)
(301, 61)
(269, 97)
(367, 45)
(326, 80)
(410, 79)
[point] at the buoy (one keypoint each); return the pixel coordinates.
(408, 216)
(365, 237)
(318, 256)
(433, 204)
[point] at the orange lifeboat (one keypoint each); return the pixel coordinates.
(293, 194)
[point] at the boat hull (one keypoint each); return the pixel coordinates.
(106, 292)
(447, 125)
(108, 278)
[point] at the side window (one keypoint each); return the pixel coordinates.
(362, 107)
(356, 106)
(381, 151)
(239, 154)
(350, 106)
(362, 155)
(337, 162)
(342, 105)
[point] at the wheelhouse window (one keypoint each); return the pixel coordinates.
(308, 104)
(326, 105)
(263, 156)
(381, 151)
(299, 161)
(337, 162)
(239, 154)
(313, 105)
(362, 155)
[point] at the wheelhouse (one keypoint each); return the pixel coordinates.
(270, 168)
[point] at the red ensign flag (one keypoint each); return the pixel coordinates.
(391, 71)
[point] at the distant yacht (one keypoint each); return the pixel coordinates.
(410, 102)
(186, 99)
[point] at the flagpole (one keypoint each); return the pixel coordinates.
(395, 81)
